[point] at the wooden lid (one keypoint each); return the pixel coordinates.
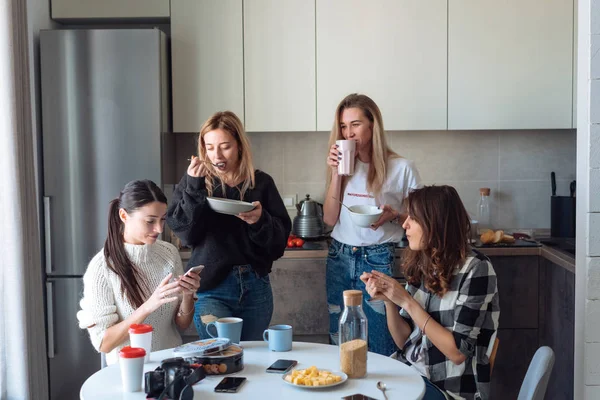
(352, 297)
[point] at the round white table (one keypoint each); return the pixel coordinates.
(402, 381)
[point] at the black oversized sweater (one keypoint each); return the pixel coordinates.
(221, 241)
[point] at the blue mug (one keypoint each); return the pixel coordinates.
(228, 327)
(279, 337)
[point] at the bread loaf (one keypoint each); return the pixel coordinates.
(508, 239)
(487, 237)
(498, 236)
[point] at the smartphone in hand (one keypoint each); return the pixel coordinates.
(197, 269)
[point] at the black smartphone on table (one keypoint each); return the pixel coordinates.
(282, 366)
(358, 397)
(230, 384)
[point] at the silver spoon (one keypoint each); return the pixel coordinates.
(218, 165)
(381, 386)
(339, 201)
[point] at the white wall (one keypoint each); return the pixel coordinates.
(587, 305)
(516, 165)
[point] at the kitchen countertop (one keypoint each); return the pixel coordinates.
(555, 255)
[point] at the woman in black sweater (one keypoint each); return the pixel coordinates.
(237, 251)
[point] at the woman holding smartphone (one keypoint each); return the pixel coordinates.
(381, 178)
(136, 278)
(446, 319)
(237, 250)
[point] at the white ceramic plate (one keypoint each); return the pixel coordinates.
(227, 206)
(343, 375)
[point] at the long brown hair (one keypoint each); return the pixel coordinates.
(380, 151)
(134, 195)
(230, 123)
(446, 230)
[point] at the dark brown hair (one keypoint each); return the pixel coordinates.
(134, 195)
(446, 230)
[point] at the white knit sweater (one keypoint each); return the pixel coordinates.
(103, 305)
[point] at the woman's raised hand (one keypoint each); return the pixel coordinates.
(197, 167)
(389, 287)
(370, 287)
(189, 283)
(165, 293)
(387, 215)
(333, 159)
(252, 216)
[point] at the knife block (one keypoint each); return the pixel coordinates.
(562, 216)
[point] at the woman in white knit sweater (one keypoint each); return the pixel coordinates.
(129, 280)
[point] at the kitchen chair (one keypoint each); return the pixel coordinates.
(538, 374)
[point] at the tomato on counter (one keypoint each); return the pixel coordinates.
(294, 241)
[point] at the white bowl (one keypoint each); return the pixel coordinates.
(364, 216)
(227, 206)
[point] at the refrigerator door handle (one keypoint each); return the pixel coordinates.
(48, 234)
(50, 317)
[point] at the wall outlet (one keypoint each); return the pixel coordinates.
(289, 200)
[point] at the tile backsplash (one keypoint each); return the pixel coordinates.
(516, 165)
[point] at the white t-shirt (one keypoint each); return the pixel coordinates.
(402, 177)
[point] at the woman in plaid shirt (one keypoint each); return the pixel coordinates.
(449, 311)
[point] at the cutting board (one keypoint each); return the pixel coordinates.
(517, 243)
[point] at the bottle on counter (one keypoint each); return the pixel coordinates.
(353, 336)
(484, 217)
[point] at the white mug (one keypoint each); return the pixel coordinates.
(131, 362)
(347, 148)
(140, 335)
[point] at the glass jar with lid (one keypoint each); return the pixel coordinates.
(353, 336)
(484, 216)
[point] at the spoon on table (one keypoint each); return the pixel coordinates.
(339, 201)
(381, 386)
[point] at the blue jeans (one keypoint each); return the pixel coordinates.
(432, 392)
(243, 294)
(345, 264)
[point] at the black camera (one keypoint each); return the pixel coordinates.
(172, 378)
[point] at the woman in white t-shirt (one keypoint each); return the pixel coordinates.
(381, 178)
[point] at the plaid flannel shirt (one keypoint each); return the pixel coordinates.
(470, 310)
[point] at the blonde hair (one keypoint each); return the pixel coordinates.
(380, 151)
(230, 123)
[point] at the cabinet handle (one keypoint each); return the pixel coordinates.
(50, 317)
(47, 235)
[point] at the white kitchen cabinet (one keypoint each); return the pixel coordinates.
(510, 64)
(207, 64)
(109, 9)
(279, 65)
(394, 51)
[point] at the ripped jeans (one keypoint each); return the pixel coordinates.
(242, 294)
(345, 264)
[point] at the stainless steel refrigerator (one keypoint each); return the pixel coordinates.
(105, 105)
